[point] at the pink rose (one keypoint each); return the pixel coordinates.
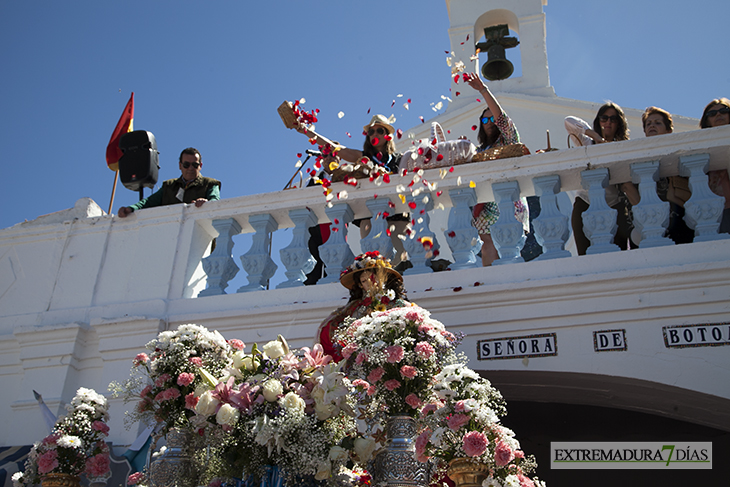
(140, 359)
(459, 407)
(448, 335)
(361, 357)
(160, 381)
(47, 462)
(413, 401)
(475, 443)
(519, 454)
(392, 384)
(236, 344)
(395, 354)
(424, 350)
(360, 383)
(349, 350)
(428, 408)
(196, 361)
(135, 478)
(97, 465)
(168, 394)
(408, 371)
(424, 328)
(372, 390)
(375, 375)
(503, 454)
(185, 379)
(147, 389)
(413, 316)
(191, 401)
(525, 481)
(421, 443)
(100, 426)
(456, 421)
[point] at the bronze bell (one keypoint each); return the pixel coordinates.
(497, 66)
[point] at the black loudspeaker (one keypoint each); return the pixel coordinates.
(138, 167)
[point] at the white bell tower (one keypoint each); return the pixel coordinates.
(524, 17)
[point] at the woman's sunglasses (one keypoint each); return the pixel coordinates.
(722, 110)
(187, 164)
(487, 119)
(606, 118)
(379, 131)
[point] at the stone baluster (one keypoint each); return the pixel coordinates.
(651, 215)
(257, 262)
(378, 238)
(599, 220)
(703, 211)
(335, 252)
(296, 256)
(461, 237)
(552, 228)
(219, 266)
(508, 234)
(419, 251)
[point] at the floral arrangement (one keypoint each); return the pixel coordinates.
(464, 422)
(393, 355)
(283, 407)
(75, 446)
(163, 383)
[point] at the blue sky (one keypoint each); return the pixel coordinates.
(211, 75)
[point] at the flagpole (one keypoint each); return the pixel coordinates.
(114, 189)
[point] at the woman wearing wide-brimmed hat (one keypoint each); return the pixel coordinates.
(379, 147)
(374, 286)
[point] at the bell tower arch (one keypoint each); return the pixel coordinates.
(526, 18)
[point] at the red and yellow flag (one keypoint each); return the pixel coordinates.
(125, 124)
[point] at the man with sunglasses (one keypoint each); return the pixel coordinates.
(190, 187)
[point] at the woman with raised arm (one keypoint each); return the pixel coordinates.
(378, 147)
(496, 129)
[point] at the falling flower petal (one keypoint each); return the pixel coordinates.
(340, 114)
(478, 100)
(451, 169)
(458, 93)
(422, 121)
(399, 133)
(472, 184)
(457, 289)
(439, 193)
(452, 234)
(402, 198)
(458, 181)
(405, 105)
(473, 127)
(412, 205)
(440, 157)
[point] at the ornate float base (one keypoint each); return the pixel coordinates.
(60, 480)
(174, 468)
(396, 465)
(466, 473)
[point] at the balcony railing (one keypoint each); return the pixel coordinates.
(546, 175)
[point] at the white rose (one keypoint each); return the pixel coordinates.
(364, 448)
(323, 471)
(207, 404)
(338, 454)
(238, 358)
(272, 390)
(227, 415)
(274, 349)
(292, 401)
(250, 363)
(324, 411)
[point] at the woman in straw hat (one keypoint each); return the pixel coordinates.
(379, 147)
(374, 286)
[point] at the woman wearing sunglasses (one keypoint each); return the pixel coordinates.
(379, 147)
(496, 129)
(716, 114)
(610, 125)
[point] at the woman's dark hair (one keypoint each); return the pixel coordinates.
(717, 101)
(622, 133)
(393, 282)
(482, 136)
